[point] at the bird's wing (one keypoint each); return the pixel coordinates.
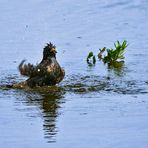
(30, 69)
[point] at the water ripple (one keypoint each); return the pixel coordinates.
(86, 84)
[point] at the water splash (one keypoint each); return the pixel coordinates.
(86, 84)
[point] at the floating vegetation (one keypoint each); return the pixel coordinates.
(114, 56)
(111, 57)
(91, 59)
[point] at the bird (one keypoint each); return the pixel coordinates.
(47, 73)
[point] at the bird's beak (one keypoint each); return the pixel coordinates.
(53, 50)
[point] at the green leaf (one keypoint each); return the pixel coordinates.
(91, 59)
(90, 55)
(117, 54)
(94, 60)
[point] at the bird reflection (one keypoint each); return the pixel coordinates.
(49, 105)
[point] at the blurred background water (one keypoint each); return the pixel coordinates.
(89, 110)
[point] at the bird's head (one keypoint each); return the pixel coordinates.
(49, 51)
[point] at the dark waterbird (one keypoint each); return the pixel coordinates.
(47, 73)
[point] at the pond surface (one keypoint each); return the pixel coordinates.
(93, 106)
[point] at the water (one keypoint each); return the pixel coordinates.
(93, 106)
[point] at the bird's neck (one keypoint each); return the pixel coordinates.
(48, 58)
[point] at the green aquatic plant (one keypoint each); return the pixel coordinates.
(115, 55)
(111, 57)
(91, 59)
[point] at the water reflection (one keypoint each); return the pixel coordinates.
(48, 105)
(118, 69)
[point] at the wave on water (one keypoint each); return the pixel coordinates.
(86, 84)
